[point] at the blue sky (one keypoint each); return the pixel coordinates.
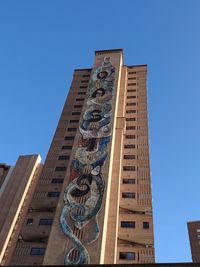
(42, 42)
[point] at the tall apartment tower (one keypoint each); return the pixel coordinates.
(93, 202)
(194, 237)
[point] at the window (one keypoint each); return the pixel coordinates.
(129, 84)
(129, 168)
(128, 181)
(131, 90)
(130, 119)
(132, 78)
(69, 137)
(66, 147)
(37, 251)
(132, 72)
(86, 75)
(71, 129)
(78, 106)
(79, 99)
(128, 224)
(129, 146)
(53, 194)
(145, 225)
(76, 113)
(83, 87)
(60, 169)
(131, 96)
(85, 81)
(131, 104)
(130, 127)
(63, 157)
(127, 255)
(128, 195)
(81, 93)
(73, 121)
(57, 180)
(198, 230)
(131, 111)
(130, 136)
(29, 221)
(45, 221)
(129, 156)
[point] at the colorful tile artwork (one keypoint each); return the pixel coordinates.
(84, 194)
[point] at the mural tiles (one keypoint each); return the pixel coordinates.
(84, 194)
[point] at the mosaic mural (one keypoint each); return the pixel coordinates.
(84, 194)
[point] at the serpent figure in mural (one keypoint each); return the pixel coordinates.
(84, 194)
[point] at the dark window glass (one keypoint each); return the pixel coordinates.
(69, 137)
(127, 255)
(29, 221)
(131, 104)
(37, 251)
(81, 93)
(73, 121)
(86, 75)
(131, 90)
(71, 129)
(130, 127)
(128, 224)
(132, 72)
(53, 194)
(85, 81)
(76, 113)
(130, 136)
(78, 106)
(130, 119)
(129, 156)
(66, 147)
(128, 195)
(57, 180)
(132, 78)
(128, 181)
(83, 87)
(80, 99)
(63, 157)
(131, 111)
(129, 146)
(129, 168)
(131, 96)
(60, 169)
(146, 225)
(129, 84)
(45, 221)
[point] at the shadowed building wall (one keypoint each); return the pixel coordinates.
(194, 236)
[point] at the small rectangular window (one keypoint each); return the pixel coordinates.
(145, 225)
(69, 137)
(78, 106)
(79, 99)
(130, 119)
(86, 75)
(132, 78)
(82, 87)
(132, 72)
(128, 195)
(128, 168)
(129, 156)
(71, 129)
(29, 221)
(74, 121)
(130, 127)
(131, 104)
(45, 221)
(131, 111)
(63, 157)
(57, 181)
(60, 169)
(127, 224)
(129, 146)
(130, 136)
(37, 251)
(53, 194)
(81, 93)
(76, 113)
(128, 181)
(85, 81)
(130, 84)
(67, 147)
(127, 255)
(131, 90)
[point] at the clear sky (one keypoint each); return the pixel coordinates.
(42, 42)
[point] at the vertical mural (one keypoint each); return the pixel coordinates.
(84, 194)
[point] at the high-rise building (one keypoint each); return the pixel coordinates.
(93, 203)
(194, 237)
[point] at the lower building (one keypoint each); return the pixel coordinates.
(194, 236)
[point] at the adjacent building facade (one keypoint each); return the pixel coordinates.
(92, 203)
(194, 237)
